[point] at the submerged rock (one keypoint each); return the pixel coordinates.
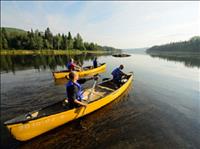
(121, 55)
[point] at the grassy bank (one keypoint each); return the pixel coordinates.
(48, 52)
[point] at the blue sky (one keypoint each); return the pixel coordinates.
(129, 24)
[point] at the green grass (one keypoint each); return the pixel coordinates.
(48, 52)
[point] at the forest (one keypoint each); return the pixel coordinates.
(192, 45)
(17, 39)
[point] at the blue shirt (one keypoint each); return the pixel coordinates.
(116, 74)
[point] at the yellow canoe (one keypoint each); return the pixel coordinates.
(63, 81)
(35, 123)
(87, 71)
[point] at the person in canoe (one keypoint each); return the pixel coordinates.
(95, 62)
(74, 91)
(117, 74)
(72, 66)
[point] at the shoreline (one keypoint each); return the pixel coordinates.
(50, 52)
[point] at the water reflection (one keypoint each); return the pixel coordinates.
(188, 60)
(39, 62)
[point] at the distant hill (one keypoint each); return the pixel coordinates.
(10, 30)
(192, 45)
(135, 50)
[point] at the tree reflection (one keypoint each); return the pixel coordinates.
(188, 60)
(40, 62)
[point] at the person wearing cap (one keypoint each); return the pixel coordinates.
(74, 91)
(117, 74)
(72, 66)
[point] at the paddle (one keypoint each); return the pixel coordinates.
(92, 90)
(103, 79)
(82, 80)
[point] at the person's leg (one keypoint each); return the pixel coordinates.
(117, 83)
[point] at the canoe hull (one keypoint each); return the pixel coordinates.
(59, 75)
(33, 128)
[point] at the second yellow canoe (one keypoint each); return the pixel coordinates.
(87, 71)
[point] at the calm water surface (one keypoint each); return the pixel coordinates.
(160, 110)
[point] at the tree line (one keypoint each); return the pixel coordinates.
(37, 40)
(193, 45)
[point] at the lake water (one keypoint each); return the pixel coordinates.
(160, 110)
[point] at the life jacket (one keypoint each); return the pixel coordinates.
(70, 66)
(79, 94)
(116, 73)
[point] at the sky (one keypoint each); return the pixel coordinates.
(129, 24)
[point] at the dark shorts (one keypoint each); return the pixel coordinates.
(73, 105)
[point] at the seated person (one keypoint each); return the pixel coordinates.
(72, 66)
(95, 63)
(117, 75)
(74, 91)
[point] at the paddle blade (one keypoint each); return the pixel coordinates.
(105, 79)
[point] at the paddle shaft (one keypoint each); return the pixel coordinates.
(92, 90)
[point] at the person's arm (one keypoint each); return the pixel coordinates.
(77, 66)
(80, 103)
(83, 80)
(123, 74)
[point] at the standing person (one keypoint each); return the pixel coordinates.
(72, 66)
(74, 91)
(95, 62)
(117, 74)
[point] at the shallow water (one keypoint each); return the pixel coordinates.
(160, 110)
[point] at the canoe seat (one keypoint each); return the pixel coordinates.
(98, 93)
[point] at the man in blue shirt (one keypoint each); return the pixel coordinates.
(117, 75)
(74, 91)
